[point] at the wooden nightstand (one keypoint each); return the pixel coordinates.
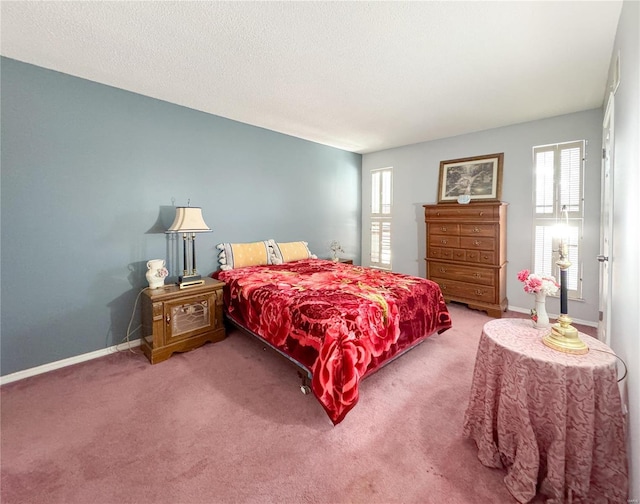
(179, 320)
(346, 261)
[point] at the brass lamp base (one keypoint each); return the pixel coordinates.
(564, 337)
(189, 281)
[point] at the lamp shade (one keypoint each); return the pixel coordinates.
(188, 220)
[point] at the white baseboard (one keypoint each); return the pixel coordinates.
(20, 375)
(553, 316)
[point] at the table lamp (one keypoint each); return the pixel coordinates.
(563, 336)
(189, 221)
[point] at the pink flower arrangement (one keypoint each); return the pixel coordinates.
(162, 273)
(534, 283)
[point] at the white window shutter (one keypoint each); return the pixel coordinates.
(558, 183)
(571, 178)
(545, 184)
(544, 259)
(381, 207)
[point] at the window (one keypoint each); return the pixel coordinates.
(559, 181)
(381, 202)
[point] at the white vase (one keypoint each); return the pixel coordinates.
(540, 318)
(155, 279)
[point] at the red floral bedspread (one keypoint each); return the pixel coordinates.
(340, 321)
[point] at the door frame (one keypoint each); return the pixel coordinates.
(606, 222)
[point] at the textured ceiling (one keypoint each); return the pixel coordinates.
(360, 76)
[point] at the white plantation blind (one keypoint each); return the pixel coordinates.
(381, 205)
(543, 254)
(381, 244)
(558, 184)
(544, 166)
(381, 192)
(546, 245)
(571, 158)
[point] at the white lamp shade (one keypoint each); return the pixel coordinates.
(188, 220)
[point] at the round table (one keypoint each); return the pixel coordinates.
(553, 420)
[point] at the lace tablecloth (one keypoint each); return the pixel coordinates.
(553, 420)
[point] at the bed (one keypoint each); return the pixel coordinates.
(338, 322)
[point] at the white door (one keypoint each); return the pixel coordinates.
(606, 224)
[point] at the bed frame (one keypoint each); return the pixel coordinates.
(303, 372)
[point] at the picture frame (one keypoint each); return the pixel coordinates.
(471, 179)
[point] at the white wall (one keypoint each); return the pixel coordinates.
(624, 260)
(415, 183)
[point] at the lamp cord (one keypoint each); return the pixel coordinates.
(129, 331)
(611, 353)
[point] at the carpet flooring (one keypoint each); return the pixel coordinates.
(227, 423)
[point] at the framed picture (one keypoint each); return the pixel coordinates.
(471, 179)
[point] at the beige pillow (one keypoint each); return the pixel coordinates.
(240, 255)
(290, 251)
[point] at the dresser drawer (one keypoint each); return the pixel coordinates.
(478, 230)
(470, 274)
(461, 212)
(460, 254)
(444, 241)
(486, 257)
(444, 228)
(441, 253)
(471, 292)
(480, 256)
(477, 242)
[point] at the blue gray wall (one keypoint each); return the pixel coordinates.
(89, 176)
(416, 171)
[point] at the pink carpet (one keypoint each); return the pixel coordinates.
(227, 423)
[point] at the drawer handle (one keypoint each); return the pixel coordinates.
(477, 275)
(480, 292)
(476, 230)
(438, 214)
(444, 242)
(485, 257)
(168, 318)
(443, 229)
(481, 214)
(477, 243)
(443, 270)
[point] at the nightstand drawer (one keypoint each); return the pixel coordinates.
(189, 317)
(179, 320)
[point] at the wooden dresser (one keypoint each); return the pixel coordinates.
(467, 253)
